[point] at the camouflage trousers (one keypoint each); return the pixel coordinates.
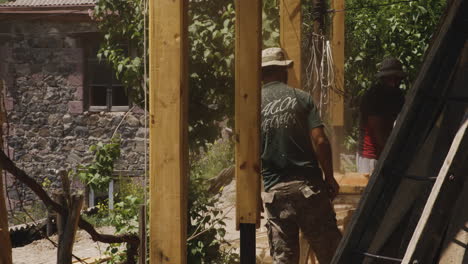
(298, 205)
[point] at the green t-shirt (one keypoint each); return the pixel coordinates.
(287, 116)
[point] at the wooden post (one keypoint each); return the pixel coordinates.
(66, 241)
(337, 98)
(168, 131)
(5, 249)
(291, 38)
(60, 221)
(142, 231)
(247, 122)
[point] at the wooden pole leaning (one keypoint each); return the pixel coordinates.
(247, 122)
(168, 131)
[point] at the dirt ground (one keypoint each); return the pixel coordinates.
(43, 252)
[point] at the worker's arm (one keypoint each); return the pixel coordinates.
(324, 156)
(379, 131)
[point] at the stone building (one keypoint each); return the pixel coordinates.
(59, 98)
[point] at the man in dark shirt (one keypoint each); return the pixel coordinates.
(295, 150)
(379, 109)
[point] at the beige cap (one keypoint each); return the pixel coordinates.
(274, 57)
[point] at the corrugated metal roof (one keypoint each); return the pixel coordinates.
(46, 3)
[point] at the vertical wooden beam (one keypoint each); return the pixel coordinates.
(291, 38)
(337, 98)
(247, 108)
(5, 248)
(247, 123)
(168, 131)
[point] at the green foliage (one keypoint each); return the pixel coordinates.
(98, 173)
(124, 216)
(218, 156)
(211, 67)
(206, 227)
(270, 23)
(402, 31)
(122, 23)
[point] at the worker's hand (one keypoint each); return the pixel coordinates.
(332, 187)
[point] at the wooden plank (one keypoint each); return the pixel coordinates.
(415, 121)
(5, 249)
(291, 38)
(454, 249)
(247, 109)
(441, 200)
(168, 131)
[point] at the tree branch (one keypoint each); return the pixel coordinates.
(132, 240)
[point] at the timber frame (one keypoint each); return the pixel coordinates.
(168, 118)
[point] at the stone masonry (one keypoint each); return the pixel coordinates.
(42, 65)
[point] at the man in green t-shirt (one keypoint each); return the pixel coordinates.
(295, 150)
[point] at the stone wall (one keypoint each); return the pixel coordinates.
(42, 66)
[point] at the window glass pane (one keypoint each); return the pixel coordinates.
(99, 95)
(119, 96)
(100, 73)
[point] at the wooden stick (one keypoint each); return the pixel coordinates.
(68, 238)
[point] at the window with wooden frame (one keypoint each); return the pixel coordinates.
(105, 92)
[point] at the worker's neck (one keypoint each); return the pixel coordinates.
(269, 79)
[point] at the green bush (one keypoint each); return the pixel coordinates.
(206, 228)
